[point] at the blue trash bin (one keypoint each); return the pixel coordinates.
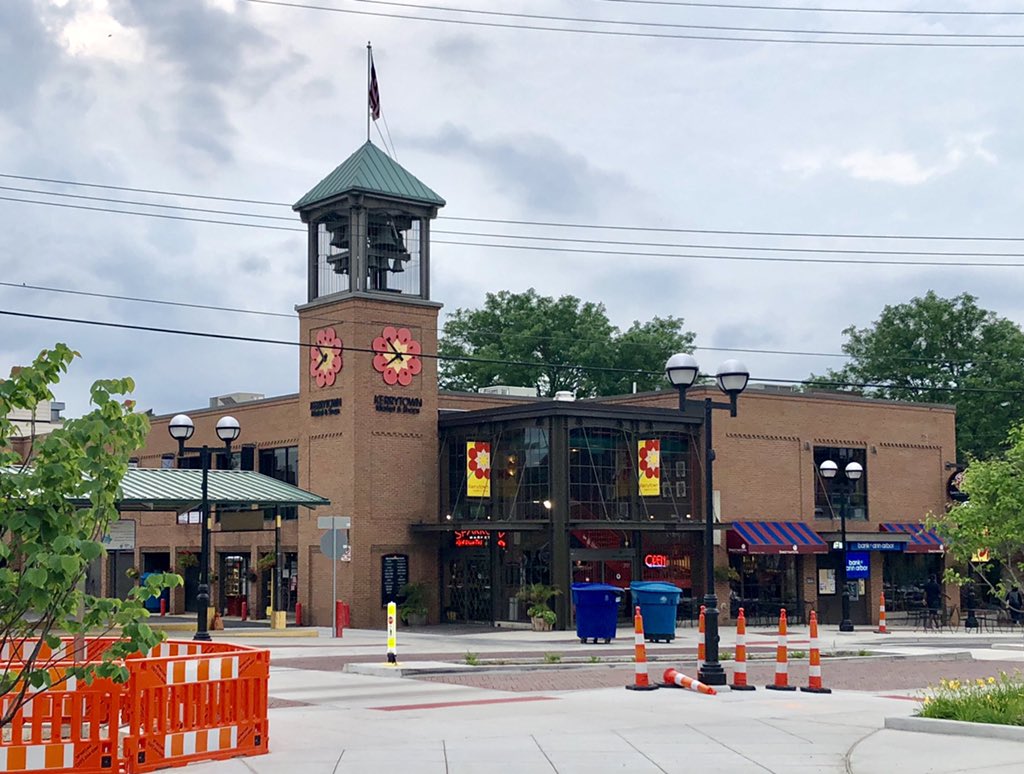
(658, 602)
(597, 610)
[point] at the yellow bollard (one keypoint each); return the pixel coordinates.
(392, 633)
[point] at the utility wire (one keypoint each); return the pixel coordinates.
(648, 35)
(483, 331)
(677, 25)
(587, 251)
(548, 224)
(487, 361)
(529, 237)
(811, 9)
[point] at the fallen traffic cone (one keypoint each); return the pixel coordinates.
(781, 659)
(701, 644)
(814, 670)
(672, 677)
(641, 682)
(881, 616)
(739, 672)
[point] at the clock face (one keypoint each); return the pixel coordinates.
(397, 356)
(325, 358)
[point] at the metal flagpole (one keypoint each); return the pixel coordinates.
(369, 64)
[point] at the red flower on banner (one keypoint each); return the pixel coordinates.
(479, 460)
(397, 357)
(650, 459)
(325, 358)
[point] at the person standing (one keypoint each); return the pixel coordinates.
(933, 600)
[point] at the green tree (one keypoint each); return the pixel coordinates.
(55, 506)
(526, 339)
(991, 520)
(943, 350)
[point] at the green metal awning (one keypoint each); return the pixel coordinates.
(174, 489)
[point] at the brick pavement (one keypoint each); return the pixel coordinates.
(853, 674)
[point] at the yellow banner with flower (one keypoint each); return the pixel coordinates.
(478, 469)
(649, 467)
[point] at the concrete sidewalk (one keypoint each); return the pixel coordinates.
(331, 721)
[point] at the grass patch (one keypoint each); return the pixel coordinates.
(994, 700)
(471, 658)
(863, 652)
(725, 655)
(595, 659)
(552, 658)
(798, 654)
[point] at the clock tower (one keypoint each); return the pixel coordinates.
(368, 380)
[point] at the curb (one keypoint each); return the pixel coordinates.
(956, 728)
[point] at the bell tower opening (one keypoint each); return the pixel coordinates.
(369, 229)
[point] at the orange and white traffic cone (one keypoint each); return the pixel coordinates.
(782, 659)
(881, 616)
(739, 672)
(672, 677)
(641, 682)
(701, 644)
(814, 670)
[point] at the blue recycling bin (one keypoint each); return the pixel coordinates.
(658, 602)
(597, 610)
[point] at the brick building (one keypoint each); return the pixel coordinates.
(369, 430)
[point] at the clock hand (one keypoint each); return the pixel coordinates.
(323, 358)
(398, 355)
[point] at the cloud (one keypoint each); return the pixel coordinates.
(539, 173)
(897, 167)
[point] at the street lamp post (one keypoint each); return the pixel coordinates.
(853, 471)
(181, 429)
(732, 378)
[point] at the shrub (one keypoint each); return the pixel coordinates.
(472, 659)
(992, 700)
(552, 658)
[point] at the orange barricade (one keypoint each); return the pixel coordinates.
(782, 658)
(701, 645)
(814, 684)
(183, 702)
(739, 672)
(641, 680)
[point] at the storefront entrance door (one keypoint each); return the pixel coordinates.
(467, 587)
(612, 566)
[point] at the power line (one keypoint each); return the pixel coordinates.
(648, 35)
(587, 251)
(549, 224)
(678, 25)
(486, 361)
(814, 9)
(484, 331)
(530, 237)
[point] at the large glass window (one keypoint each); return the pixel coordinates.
(831, 495)
(602, 474)
(281, 463)
(675, 499)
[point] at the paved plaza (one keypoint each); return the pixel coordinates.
(543, 702)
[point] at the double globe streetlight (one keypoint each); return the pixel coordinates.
(181, 429)
(732, 378)
(853, 471)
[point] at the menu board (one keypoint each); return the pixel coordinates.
(394, 573)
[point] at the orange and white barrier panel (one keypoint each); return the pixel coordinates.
(739, 672)
(881, 616)
(676, 678)
(641, 680)
(814, 670)
(207, 701)
(782, 658)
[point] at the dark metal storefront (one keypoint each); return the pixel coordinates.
(553, 493)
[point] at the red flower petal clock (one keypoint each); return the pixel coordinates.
(325, 357)
(397, 357)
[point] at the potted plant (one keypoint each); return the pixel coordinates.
(536, 595)
(186, 560)
(413, 610)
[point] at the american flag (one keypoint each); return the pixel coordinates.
(374, 92)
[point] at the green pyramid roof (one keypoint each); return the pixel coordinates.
(370, 170)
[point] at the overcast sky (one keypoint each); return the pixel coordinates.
(258, 101)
